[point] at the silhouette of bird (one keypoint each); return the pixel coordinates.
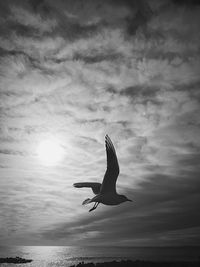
(106, 192)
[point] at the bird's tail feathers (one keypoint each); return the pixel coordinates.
(86, 201)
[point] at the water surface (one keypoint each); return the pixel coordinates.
(46, 256)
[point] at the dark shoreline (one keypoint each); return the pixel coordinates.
(140, 263)
(15, 260)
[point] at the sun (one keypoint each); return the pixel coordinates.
(50, 151)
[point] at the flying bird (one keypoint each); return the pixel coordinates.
(106, 192)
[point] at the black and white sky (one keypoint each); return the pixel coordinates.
(75, 70)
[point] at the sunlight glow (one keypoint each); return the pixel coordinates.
(50, 151)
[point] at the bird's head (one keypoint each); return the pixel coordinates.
(124, 198)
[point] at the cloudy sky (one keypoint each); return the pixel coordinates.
(74, 70)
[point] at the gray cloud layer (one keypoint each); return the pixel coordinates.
(77, 70)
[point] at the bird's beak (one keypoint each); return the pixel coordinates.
(129, 200)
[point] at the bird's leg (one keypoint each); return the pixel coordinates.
(95, 206)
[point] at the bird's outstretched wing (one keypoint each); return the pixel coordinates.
(94, 186)
(112, 172)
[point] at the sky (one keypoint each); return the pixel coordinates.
(73, 71)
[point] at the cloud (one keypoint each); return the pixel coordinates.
(24, 17)
(162, 203)
(76, 72)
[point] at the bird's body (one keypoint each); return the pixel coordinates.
(108, 199)
(106, 192)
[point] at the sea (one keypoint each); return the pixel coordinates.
(56, 256)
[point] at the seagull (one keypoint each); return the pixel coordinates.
(106, 193)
